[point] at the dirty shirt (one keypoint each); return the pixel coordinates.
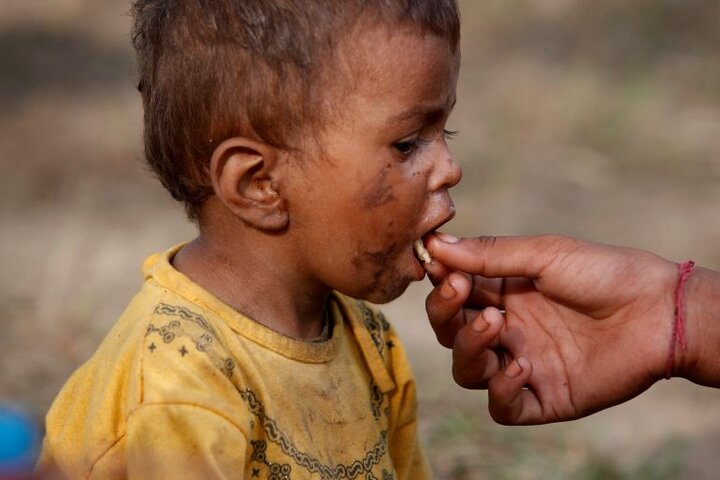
(184, 386)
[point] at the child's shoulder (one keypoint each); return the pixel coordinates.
(165, 347)
(175, 319)
(178, 332)
(183, 347)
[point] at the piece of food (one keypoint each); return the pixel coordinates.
(422, 252)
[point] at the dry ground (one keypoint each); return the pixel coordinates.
(596, 119)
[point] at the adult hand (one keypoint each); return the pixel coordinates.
(585, 326)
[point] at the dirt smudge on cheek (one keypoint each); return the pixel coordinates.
(379, 265)
(380, 191)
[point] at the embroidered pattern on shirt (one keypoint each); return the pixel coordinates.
(376, 325)
(184, 313)
(276, 436)
(376, 401)
(276, 471)
(204, 341)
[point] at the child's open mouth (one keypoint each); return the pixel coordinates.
(421, 254)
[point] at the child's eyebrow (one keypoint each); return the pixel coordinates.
(428, 113)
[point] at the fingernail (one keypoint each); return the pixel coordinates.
(514, 369)
(480, 325)
(446, 238)
(447, 292)
(523, 362)
(492, 319)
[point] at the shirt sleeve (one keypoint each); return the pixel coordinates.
(407, 454)
(405, 448)
(171, 441)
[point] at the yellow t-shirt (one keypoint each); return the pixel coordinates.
(184, 386)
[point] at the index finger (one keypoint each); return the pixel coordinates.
(493, 257)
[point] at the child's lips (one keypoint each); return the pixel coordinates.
(420, 253)
(418, 267)
(449, 215)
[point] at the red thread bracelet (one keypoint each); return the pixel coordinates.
(685, 271)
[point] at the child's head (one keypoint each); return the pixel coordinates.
(323, 120)
(211, 70)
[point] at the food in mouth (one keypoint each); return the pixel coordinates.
(421, 252)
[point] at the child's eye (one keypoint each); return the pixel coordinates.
(408, 147)
(405, 148)
(450, 134)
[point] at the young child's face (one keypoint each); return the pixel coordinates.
(384, 179)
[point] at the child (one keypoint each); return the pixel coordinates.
(307, 140)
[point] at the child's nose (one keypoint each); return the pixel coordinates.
(446, 172)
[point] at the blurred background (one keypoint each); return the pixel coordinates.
(594, 119)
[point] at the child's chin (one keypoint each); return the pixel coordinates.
(387, 293)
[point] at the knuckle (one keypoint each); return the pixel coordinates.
(468, 378)
(559, 243)
(444, 338)
(431, 304)
(437, 307)
(499, 416)
(486, 241)
(461, 379)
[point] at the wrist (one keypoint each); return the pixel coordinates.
(700, 361)
(657, 333)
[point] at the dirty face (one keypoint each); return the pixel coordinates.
(384, 175)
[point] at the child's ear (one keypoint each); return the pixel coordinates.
(242, 173)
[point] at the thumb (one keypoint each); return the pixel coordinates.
(499, 256)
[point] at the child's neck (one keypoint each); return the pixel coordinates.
(257, 281)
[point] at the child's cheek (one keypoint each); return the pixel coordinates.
(380, 190)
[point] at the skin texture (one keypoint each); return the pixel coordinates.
(285, 228)
(586, 326)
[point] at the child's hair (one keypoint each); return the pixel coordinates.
(213, 69)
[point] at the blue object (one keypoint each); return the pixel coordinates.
(18, 442)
